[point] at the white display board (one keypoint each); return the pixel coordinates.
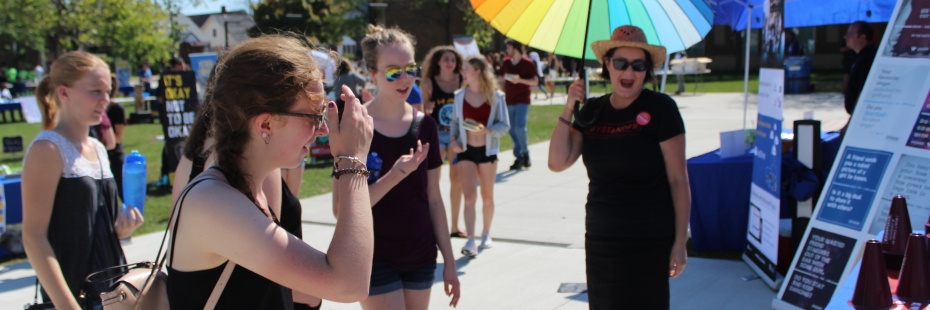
(885, 152)
(764, 203)
(31, 111)
(764, 198)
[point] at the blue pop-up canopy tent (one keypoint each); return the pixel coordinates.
(804, 13)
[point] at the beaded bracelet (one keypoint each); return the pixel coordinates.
(356, 171)
(565, 121)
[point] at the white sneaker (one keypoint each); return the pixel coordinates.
(470, 249)
(486, 242)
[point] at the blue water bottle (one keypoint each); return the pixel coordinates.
(374, 166)
(134, 181)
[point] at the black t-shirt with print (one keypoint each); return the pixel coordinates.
(628, 192)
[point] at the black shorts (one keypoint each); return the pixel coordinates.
(385, 279)
(476, 154)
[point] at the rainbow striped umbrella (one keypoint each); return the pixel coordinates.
(567, 27)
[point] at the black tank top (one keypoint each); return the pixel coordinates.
(442, 109)
(244, 289)
(80, 227)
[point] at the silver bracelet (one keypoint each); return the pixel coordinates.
(354, 159)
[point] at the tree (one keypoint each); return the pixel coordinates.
(128, 29)
(325, 20)
(133, 30)
(24, 24)
(480, 29)
(441, 11)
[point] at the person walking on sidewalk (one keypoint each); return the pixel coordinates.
(639, 200)
(537, 61)
(267, 105)
(518, 76)
(480, 121)
(72, 221)
(442, 76)
(406, 205)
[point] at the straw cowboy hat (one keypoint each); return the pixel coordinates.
(630, 36)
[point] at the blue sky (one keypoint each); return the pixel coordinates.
(214, 6)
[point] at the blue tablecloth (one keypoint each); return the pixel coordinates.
(720, 196)
(719, 201)
(13, 107)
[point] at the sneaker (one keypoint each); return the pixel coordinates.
(517, 164)
(486, 242)
(470, 249)
(526, 160)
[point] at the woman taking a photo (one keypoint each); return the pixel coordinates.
(480, 120)
(639, 201)
(268, 105)
(442, 76)
(72, 221)
(409, 216)
(197, 156)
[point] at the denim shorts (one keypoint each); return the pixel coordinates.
(385, 279)
(444, 139)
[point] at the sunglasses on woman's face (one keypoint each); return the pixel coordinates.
(315, 119)
(392, 73)
(638, 65)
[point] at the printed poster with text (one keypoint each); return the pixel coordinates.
(202, 65)
(885, 152)
(178, 92)
(762, 234)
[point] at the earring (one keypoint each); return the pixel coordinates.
(267, 139)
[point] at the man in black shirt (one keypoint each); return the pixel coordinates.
(859, 39)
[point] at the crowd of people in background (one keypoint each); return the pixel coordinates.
(266, 96)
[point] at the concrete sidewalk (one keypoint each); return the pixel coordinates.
(539, 228)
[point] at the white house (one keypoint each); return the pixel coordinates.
(211, 28)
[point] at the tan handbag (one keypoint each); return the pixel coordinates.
(144, 286)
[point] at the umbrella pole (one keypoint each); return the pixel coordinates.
(579, 120)
(664, 75)
(746, 73)
(584, 51)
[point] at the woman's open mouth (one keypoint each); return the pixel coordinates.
(626, 83)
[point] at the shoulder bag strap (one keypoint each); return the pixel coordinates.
(160, 257)
(220, 285)
(414, 130)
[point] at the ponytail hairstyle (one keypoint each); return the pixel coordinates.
(486, 81)
(266, 74)
(66, 70)
(114, 86)
(378, 37)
